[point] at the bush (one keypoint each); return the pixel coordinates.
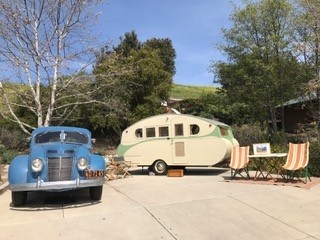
(8, 156)
(314, 159)
(13, 139)
(249, 134)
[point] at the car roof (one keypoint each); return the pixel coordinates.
(60, 128)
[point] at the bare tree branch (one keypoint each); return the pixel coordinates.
(39, 41)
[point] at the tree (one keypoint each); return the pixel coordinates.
(262, 71)
(308, 44)
(40, 43)
(127, 43)
(166, 52)
(308, 33)
(152, 84)
(149, 80)
(111, 71)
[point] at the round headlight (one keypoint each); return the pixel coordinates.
(82, 163)
(36, 165)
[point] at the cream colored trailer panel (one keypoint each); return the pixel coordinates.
(146, 153)
(180, 140)
(200, 152)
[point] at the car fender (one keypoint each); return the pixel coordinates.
(97, 162)
(18, 170)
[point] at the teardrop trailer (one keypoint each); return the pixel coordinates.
(176, 140)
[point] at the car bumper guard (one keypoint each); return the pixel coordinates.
(58, 185)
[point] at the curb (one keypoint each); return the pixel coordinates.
(4, 178)
(4, 187)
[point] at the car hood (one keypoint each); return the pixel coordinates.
(58, 150)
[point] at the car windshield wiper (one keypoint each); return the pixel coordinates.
(41, 134)
(86, 137)
(38, 137)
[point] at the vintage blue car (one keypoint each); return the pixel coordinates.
(59, 160)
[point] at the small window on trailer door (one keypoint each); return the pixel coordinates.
(178, 129)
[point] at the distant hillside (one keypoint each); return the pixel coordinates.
(184, 92)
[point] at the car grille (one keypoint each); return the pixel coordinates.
(59, 168)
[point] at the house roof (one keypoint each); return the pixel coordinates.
(300, 99)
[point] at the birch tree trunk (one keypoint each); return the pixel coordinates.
(40, 42)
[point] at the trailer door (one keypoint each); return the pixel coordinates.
(178, 140)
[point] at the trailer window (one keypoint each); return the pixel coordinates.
(138, 133)
(223, 131)
(178, 129)
(163, 131)
(151, 132)
(194, 129)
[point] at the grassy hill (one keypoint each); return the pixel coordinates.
(191, 92)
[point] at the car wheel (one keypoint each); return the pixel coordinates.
(96, 192)
(160, 167)
(18, 198)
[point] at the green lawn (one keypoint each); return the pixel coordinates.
(189, 92)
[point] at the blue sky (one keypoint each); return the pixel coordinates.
(193, 26)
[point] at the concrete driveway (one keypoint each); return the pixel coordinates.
(200, 205)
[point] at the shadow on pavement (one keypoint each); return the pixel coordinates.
(44, 201)
(189, 171)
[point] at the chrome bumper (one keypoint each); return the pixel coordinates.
(57, 186)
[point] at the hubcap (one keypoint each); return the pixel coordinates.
(160, 166)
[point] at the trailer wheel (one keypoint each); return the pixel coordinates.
(160, 167)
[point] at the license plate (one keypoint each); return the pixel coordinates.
(94, 173)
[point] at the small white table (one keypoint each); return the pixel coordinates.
(274, 165)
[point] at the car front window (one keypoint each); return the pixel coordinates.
(64, 136)
(76, 137)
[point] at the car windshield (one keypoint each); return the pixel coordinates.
(61, 136)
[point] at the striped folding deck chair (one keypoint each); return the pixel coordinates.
(297, 162)
(239, 161)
